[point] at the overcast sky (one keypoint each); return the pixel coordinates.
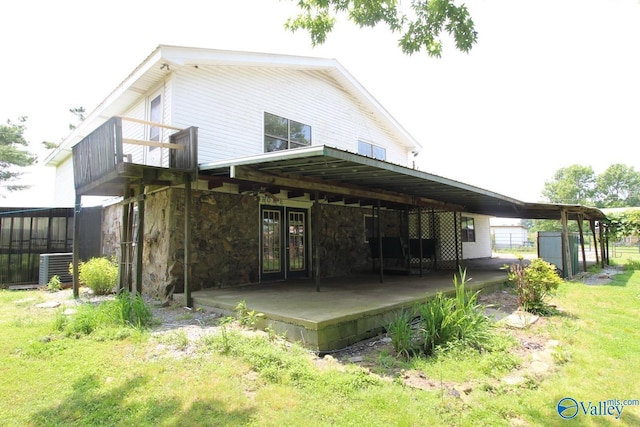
(550, 83)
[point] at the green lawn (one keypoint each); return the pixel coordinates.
(230, 379)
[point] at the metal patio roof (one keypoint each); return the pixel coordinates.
(365, 180)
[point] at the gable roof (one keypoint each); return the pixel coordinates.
(159, 63)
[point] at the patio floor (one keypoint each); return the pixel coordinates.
(347, 309)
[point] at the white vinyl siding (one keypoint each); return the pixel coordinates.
(64, 193)
(227, 104)
(139, 131)
(481, 248)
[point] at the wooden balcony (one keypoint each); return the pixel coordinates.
(108, 163)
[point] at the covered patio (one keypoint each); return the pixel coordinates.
(347, 309)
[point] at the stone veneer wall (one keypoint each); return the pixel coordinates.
(224, 240)
(343, 249)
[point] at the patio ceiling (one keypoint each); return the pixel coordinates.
(341, 176)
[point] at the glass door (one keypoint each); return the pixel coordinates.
(284, 243)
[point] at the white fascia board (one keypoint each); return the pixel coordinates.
(272, 156)
(98, 115)
(202, 56)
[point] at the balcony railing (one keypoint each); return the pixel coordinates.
(106, 154)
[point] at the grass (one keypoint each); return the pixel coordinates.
(51, 378)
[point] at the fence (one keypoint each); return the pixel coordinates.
(25, 233)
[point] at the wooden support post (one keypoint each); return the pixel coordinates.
(408, 235)
(140, 238)
(457, 238)
(566, 250)
(584, 256)
(187, 241)
(76, 246)
(315, 223)
(373, 234)
(381, 257)
(123, 273)
(420, 240)
(604, 255)
(432, 223)
(592, 224)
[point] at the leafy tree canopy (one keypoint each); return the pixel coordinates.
(420, 27)
(618, 186)
(572, 185)
(12, 156)
(625, 223)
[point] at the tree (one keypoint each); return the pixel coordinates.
(420, 28)
(571, 185)
(79, 112)
(618, 186)
(11, 155)
(625, 223)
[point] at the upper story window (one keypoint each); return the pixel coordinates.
(155, 115)
(371, 150)
(468, 229)
(284, 134)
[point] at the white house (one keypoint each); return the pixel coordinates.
(233, 168)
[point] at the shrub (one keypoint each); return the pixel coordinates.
(99, 274)
(54, 284)
(534, 283)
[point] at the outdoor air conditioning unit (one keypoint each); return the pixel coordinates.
(55, 264)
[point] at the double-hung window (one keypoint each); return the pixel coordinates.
(371, 150)
(284, 134)
(468, 229)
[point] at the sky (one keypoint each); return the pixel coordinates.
(549, 84)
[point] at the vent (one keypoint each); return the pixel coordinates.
(55, 264)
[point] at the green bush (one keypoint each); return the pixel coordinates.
(534, 283)
(99, 274)
(54, 284)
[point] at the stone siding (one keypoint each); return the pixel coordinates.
(343, 249)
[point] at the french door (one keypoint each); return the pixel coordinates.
(283, 243)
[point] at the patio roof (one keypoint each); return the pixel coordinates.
(352, 178)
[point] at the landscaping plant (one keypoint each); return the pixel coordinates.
(54, 284)
(99, 274)
(442, 321)
(534, 283)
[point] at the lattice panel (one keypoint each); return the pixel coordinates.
(437, 229)
(450, 245)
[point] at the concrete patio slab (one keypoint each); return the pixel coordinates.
(346, 310)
